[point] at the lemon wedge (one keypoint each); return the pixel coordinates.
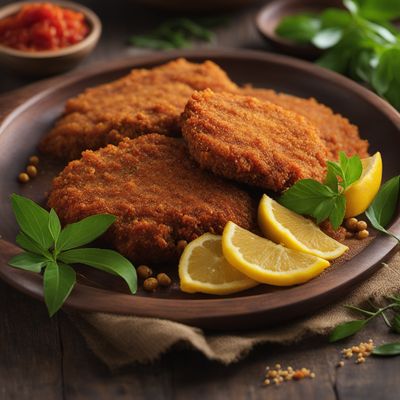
(203, 268)
(360, 194)
(282, 225)
(268, 262)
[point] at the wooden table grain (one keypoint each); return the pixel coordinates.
(42, 358)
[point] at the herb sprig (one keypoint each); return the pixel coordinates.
(359, 41)
(327, 200)
(51, 249)
(350, 328)
(177, 33)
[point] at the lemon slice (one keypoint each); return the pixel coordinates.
(268, 262)
(361, 193)
(296, 232)
(203, 268)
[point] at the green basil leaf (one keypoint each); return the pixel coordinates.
(380, 10)
(28, 261)
(105, 260)
(299, 28)
(327, 38)
(335, 18)
(54, 225)
(386, 79)
(381, 31)
(351, 167)
(396, 323)
(305, 195)
(84, 231)
(337, 214)
(323, 210)
(58, 281)
(346, 329)
(331, 177)
(28, 244)
(33, 220)
(382, 209)
(351, 5)
(387, 349)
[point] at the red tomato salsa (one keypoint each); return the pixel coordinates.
(43, 26)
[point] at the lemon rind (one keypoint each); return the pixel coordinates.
(285, 236)
(253, 271)
(189, 285)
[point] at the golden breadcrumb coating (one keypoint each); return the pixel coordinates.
(158, 194)
(252, 141)
(337, 133)
(145, 101)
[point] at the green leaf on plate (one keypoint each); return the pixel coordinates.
(105, 260)
(84, 231)
(387, 349)
(28, 261)
(54, 225)
(29, 245)
(337, 214)
(346, 329)
(59, 280)
(33, 220)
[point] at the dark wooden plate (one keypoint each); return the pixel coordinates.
(270, 16)
(263, 305)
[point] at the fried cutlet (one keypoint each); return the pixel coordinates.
(252, 141)
(157, 192)
(337, 133)
(145, 101)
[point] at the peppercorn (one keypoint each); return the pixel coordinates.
(361, 225)
(23, 177)
(362, 234)
(31, 170)
(351, 223)
(34, 160)
(150, 284)
(144, 271)
(163, 279)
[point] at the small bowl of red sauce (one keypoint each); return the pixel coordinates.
(46, 38)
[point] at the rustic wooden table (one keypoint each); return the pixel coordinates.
(48, 359)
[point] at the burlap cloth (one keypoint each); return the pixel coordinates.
(120, 340)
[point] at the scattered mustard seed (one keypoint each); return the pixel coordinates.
(361, 225)
(23, 177)
(31, 170)
(362, 234)
(150, 284)
(34, 160)
(351, 223)
(279, 374)
(144, 271)
(163, 279)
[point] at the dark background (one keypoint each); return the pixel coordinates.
(48, 359)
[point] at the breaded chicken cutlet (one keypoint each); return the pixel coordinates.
(145, 101)
(251, 141)
(156, 191)
(336, 132)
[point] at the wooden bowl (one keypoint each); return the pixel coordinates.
(45, 63)
(270, 16)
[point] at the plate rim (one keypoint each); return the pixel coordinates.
(210, 308)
